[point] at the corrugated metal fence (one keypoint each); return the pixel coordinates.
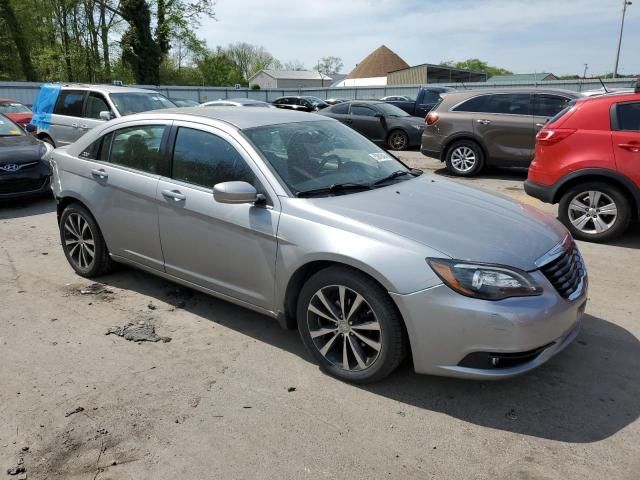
(26, 92)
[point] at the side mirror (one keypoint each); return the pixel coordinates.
(236, 192)
(105, 115)
(31, 128)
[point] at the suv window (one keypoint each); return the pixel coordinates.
(509, 104)
(475, 104)
(362, 111)
(138, 147)
(69, 103)
(95, 104)
(340, 109)
(629, 116)
(204, 159)
(549, 105)
(431, 96)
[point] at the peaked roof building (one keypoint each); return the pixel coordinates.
(373, 69)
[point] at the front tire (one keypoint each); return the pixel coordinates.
(82, 242)
(398, 140)
(350, 325)
(595, 211)
(464, 158)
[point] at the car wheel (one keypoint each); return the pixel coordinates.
(398, 140)
(465, 158)
(350, 325)
(82, 242)
(595, 211)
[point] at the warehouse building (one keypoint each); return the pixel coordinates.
(429, 73)
(289, 79)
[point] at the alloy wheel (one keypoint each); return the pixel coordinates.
(344, 328)
(398, 140)
(592, 212)
(79, 241)
(463, 159)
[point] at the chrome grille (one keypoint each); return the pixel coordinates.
(566, 270)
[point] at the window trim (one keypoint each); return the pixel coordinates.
(615, 121)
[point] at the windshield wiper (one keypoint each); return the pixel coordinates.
(398, 173)
(336, 187)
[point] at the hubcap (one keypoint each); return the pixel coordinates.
(78, 241)
(344, 328)
(463, 159)
(398, 140)
(592, 212)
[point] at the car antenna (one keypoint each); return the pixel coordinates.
(603, 85)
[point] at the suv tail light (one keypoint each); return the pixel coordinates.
(431, 119)
(551, 136)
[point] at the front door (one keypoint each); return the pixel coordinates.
(626, 140)
(363, 119)
(94, 104)
(230, 249)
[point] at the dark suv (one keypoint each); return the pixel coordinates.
(302, 103)
(471, 129)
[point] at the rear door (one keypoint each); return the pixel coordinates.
(340, 112)
(626, 139)
(362, 119)
(506, 128)
(67, 117)
(545, 106)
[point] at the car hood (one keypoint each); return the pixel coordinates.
(20, 149)
(461, 222)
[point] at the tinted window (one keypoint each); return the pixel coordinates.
(138, 148)
(510, 104)
(69, 103)
(204, 159)
(475, 104)
(549, 105)
(136, 102)
(431, 96)
(362, 111)
(629, 116)
(95, 104)
(391, 110)
(340, 109)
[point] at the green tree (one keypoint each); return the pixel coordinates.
(217, 69)
(10, 22)
(329, 65)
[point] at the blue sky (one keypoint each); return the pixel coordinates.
(558, 36)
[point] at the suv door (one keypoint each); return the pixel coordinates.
(94, 104)
(67, 117)
(228, 249)
(505, 126)
(626, 139)
(546, 106)
(363, 119)
(122, 169)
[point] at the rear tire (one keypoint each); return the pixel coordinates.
(398, 140)
(359, 325)
(595, 211)
(464, 158)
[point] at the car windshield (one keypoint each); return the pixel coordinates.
(8, 128)
(391, 110)
(13, 107)
(136, 102)
(315, 100)
(323, 154)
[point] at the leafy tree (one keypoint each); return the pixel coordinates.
(217, 69)
(478, 66)
(329, 65)
(10, 22)
(250, 59)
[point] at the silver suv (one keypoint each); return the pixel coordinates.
(300, 218)
(80, 108)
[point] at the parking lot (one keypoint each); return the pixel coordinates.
(232, 395)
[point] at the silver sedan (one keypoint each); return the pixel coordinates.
(298, 217)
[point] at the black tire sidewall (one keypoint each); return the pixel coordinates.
(392, 349)
(406, 139)
(101, 255)
(622, 204)
(479, 158)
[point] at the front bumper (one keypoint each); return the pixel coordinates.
(445, 327)
(544, 193)
(28, 182)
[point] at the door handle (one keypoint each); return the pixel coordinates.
(632, 147)
(175, 194)
(74, 125)
(84, 127)
(482, 121)
(99, 172)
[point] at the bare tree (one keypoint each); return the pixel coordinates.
(329, 65)
(294, 65)
(250, 59)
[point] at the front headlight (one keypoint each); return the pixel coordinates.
(488, 282)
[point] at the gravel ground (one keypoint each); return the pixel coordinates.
(233, 396)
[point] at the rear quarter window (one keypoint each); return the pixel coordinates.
(628, 116)
(69, 103)
(475, 104)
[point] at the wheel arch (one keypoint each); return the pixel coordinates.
(42, 136)
(463, 136)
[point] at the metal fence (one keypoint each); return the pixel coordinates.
(26, 92)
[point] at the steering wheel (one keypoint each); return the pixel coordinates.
(328, 158)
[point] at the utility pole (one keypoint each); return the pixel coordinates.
(586, 67)
(625, 3)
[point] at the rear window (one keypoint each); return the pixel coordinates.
(628, 116)
(475, 104)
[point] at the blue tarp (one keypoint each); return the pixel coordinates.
(43, 106)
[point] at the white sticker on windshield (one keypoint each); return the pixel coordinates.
(380, 157)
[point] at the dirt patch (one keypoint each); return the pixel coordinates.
(141, 331)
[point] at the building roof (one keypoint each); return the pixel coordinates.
(378, 64)
(292, 75)
(523, 77)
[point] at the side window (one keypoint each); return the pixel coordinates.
(476, 104)
(549, 105)
(138, 147)
(510, 104)
(95, 104)
(204, 159)
(69, 103)
(629, 116)
(340, 109)
(431, 96)
(91, 152)
(362, 111)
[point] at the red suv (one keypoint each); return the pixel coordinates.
(588, 159)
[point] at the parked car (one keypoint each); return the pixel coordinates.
(474, 128)
(23, 169)
(79, 108)
(184, 102)
(335, 101)
(380, 122)
(15, 111)
(302, 219)
(302, 104)
(237, 102)
(588, 160)
(427, 98)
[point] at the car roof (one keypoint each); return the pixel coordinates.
(9, 100)
(613, 97)
(461, 94)
(238, 117)
(105, 88)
